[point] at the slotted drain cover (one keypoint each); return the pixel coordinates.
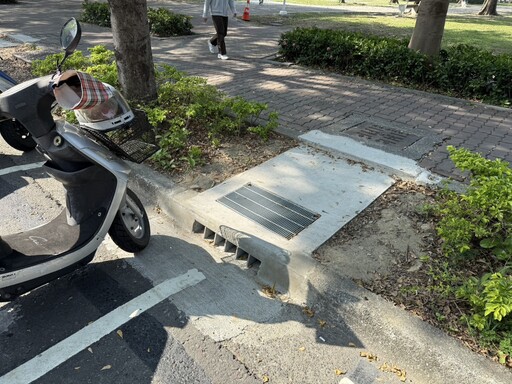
(279, 215)
(383, 135)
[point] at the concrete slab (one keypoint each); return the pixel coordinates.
(333, 187)
(7, 44)
(23, 38)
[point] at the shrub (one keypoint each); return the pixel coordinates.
(480, 218)
(189, 107)
(461, 71)
(162, 22)
(476, 227)
(95, 13)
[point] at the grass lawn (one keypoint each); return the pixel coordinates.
(493, 33)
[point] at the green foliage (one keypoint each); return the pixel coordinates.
(482, 216)
(97, 13)
(461, 70)
(477, 224)
(187, 106)
(100, 64)
(194, 156)
(264, 131)
(48, 65)
(490, 298)
(162, 22)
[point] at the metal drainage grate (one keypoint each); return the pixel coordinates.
(383, 135)
(279, 215)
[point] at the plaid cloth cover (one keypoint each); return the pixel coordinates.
(93, 91)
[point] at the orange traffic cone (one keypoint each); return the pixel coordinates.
(246, 16)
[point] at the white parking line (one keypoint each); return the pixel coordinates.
(62, 351)
(17, 168)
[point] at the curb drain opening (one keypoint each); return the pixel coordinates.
(225, 245)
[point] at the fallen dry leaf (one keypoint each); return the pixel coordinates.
(368, 355)
(394, 369)
(120, 333)
(302, 349)
(308, 311)
(339, 372)
(322, 323)
(269, 291)
(265, 378)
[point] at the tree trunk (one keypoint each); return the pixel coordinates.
(132, 47)
(428, 31)
(489, 8)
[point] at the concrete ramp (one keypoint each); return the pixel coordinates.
(314, 192)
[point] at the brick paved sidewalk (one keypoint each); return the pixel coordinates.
(308, 99)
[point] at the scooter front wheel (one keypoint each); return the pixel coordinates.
(130, 229)
(16, 135)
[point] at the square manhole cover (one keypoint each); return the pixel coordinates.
(382, 135)
(275, 213)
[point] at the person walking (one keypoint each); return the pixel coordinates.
(219, 11)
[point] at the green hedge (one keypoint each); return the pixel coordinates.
(162, 22)
(461, 71)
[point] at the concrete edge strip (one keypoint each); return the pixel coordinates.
(402, 166)
(62, 351)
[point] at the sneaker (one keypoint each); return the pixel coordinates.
(222, 57)
(211, 47)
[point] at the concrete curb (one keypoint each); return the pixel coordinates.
(375, 324)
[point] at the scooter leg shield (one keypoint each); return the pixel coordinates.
(87, 190)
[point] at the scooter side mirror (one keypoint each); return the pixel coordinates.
(70, 35)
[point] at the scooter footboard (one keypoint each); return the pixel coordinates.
(51, 240)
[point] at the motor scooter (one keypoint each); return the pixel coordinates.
(12, 131)
(94, 178)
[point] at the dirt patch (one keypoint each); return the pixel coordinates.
(391, 233)
(18, 69)
(234, 156)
